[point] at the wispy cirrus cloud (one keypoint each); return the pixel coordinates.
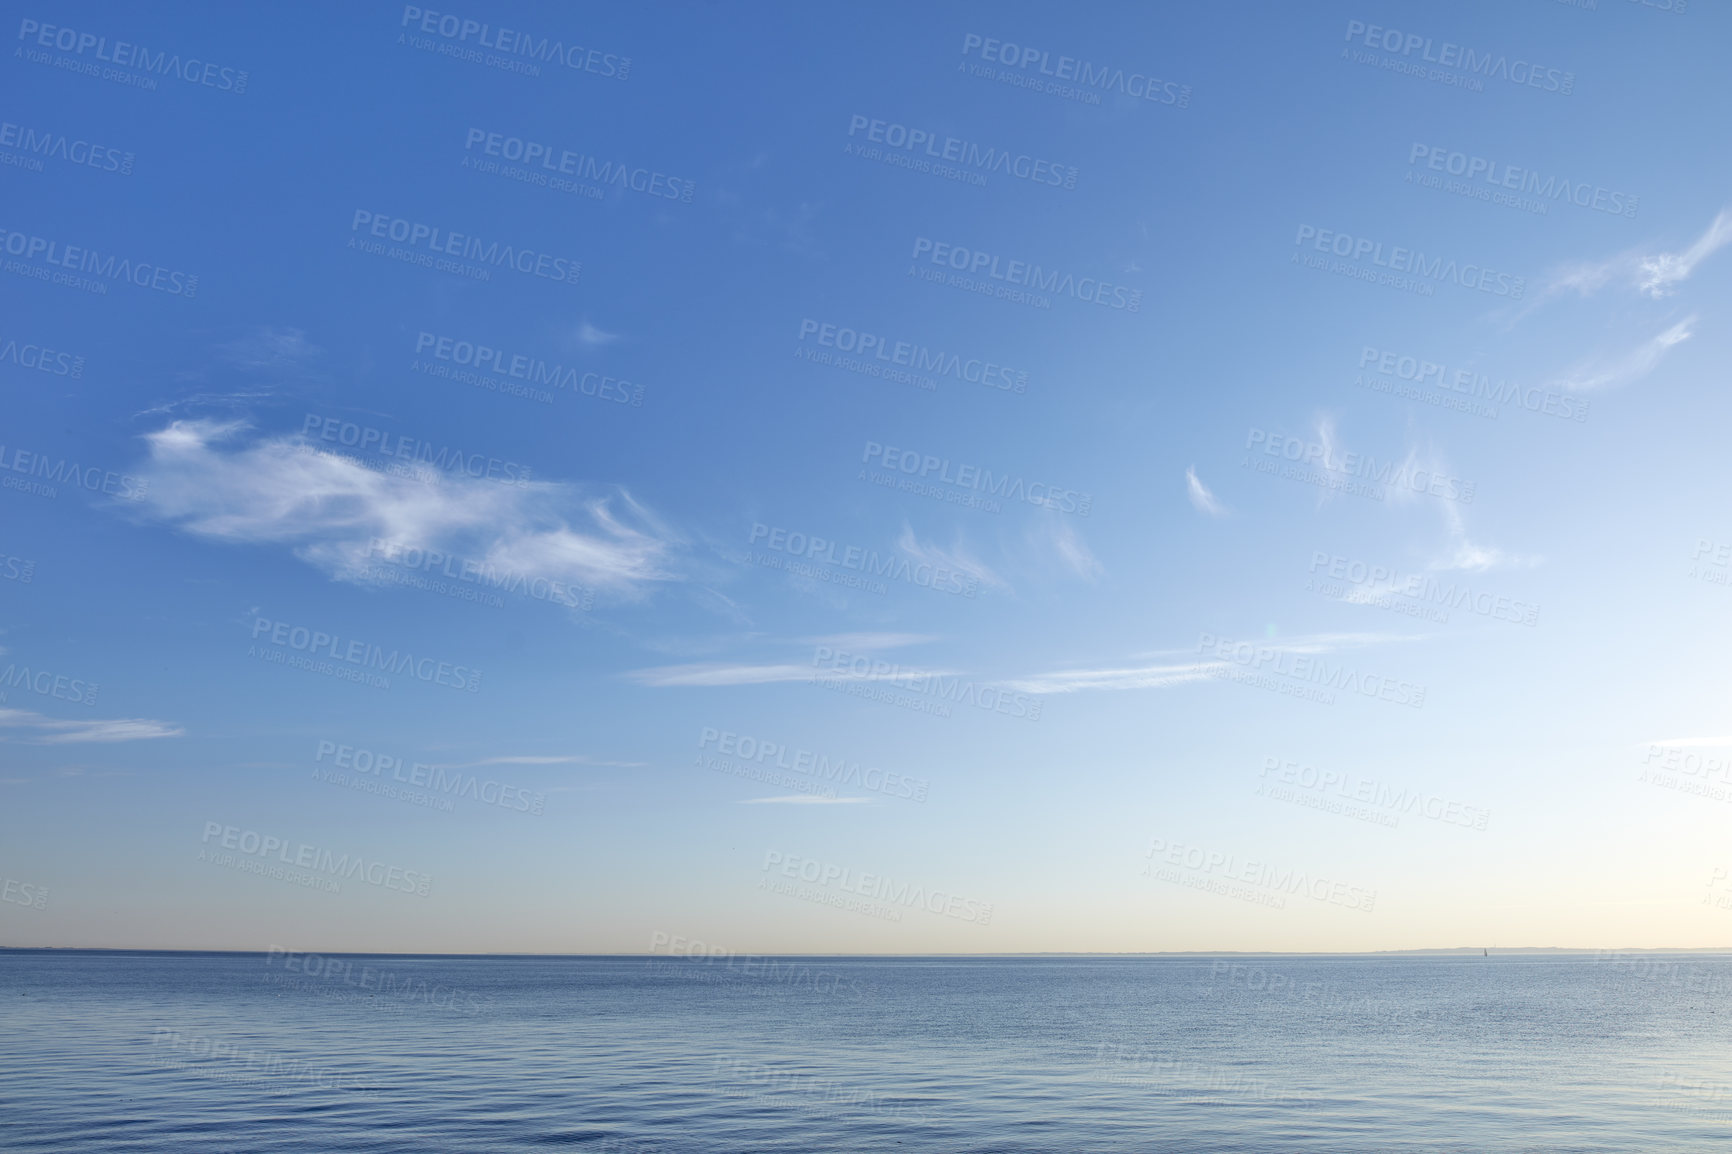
(243, 399)
(588, 334)
(1049, 544)
(1471, 557)
(1658, 273)
(714, 673)
(1119, 676)
(1329, 457)
(1154, 670)
(212, 480)
(1315, 643)
(1146, 672)
(543, 759)
(1652, 273)
(35, 729)
(1071, 550)
(1335, 460)
(1202, 500)
(957, 558)
(1332, 459)
(717, 673)
(264, 356)
(853, 641)
(1607, 372)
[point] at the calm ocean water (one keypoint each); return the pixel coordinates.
(249, 1052)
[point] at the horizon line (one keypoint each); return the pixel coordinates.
(1427, 950)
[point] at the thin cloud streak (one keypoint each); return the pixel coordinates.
(1072, 550)
(711, 674)
(1122, 677)
(590, 335)
(854, 641)
(1469, 557)
(1633, 366)
(51, 731)
(1652, 274)
(1660, 272)
(718, 673)
(1202, 500)
(536, 759)
(1167, 675)
(956, 558)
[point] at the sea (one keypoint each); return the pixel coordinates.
(201, 1053)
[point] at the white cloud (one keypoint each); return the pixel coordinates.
(1326, 438)
(1201, 498)
(330, 509)
(1471, 557)
(538, 759)
(49, 731)
(1199, 668)
(1692, 742)
(956, 558)
(1334, 461)
(1466, 556)
(1659, 272)
(720, 673)
(1068, 544)
(590, 335)
(1332, 458)
(1119, 677)
(1654, 274)
(855, 641)
(1609, 372)
(1585, 279)
(1302, 643)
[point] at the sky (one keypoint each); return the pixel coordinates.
(865, 479)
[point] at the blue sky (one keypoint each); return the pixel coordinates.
(1361, 587)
